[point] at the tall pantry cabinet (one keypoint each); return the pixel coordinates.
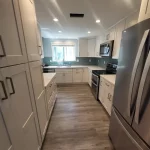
(22, 104)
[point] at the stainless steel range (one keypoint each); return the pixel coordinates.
(110, 69)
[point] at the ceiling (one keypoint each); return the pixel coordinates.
(108, 11)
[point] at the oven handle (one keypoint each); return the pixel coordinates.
(94, 84)
(94, 75)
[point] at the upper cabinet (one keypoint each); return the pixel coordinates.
(39, 39)
(83, 47)
(132, 20)
(144, 11)
(118, 35)
(91, 47)
(30, 29)
(12, 46)
(111, 34)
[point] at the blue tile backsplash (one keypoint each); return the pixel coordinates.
(102, 62)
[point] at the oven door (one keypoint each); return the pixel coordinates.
(95, 90)
(95, 79)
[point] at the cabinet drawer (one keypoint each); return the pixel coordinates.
(63, 70)
(77, 70)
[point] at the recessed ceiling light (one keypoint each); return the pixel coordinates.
(89, 32)
(125, 31)
(98, 21)
(60, 31)
(55, 19)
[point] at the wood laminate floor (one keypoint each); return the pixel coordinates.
(78, 121)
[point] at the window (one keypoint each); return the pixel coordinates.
(63, 53)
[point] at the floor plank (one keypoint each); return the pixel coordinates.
(78, 121)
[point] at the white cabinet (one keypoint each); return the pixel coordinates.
(91, 47)
(39, 39)
(39, 94)
(112, 33)
(144, 10)
(118, 35)
(77, 75)
(85, 75)
(90, 77)
(12, 46)
(106, 91)
(51, 93)
(5, 143)
(16, 107)
(83, 47)
(64, 76)
(132, 20)
(29, 26)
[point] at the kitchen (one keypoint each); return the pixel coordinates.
(74, 75)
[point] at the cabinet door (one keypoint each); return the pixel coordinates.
(101, 90)
(144, 10)
(90, 78)
(12, 46)
(5, 143)
(132, 20)
(85, 75)
(112, 33)
(148, 10)
(83, 47)
(39, 39)
(91, 47)
(17, 108)
(29, 26)
(68, 78)
(119, 28)
(77, 75)
(60, 77)
(39, 94)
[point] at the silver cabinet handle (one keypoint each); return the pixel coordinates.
(3, 48)
(141, 88)
(135, 68)
(4, 89)
(12, 85)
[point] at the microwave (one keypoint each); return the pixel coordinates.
(106, 49)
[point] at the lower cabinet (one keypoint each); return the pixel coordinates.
(64, 75)
(85, 76)
(39, 95)
(77, 75)
(51, 92)
(16, 107)
(90, 78)
(106, 90)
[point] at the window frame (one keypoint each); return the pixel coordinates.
(63, 52)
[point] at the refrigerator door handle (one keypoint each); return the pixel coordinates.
(135, 68)
(141, 88)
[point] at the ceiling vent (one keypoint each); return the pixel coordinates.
(74, 15)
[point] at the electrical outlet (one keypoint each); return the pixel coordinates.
(98, 61)
(104, 62)
(89, 60)
(77, 60)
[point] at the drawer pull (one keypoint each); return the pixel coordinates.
(12, 85)
(107, 84)
(4, 89)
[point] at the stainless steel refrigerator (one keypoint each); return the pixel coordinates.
(130, 119)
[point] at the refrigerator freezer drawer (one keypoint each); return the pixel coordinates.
(122, 135)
